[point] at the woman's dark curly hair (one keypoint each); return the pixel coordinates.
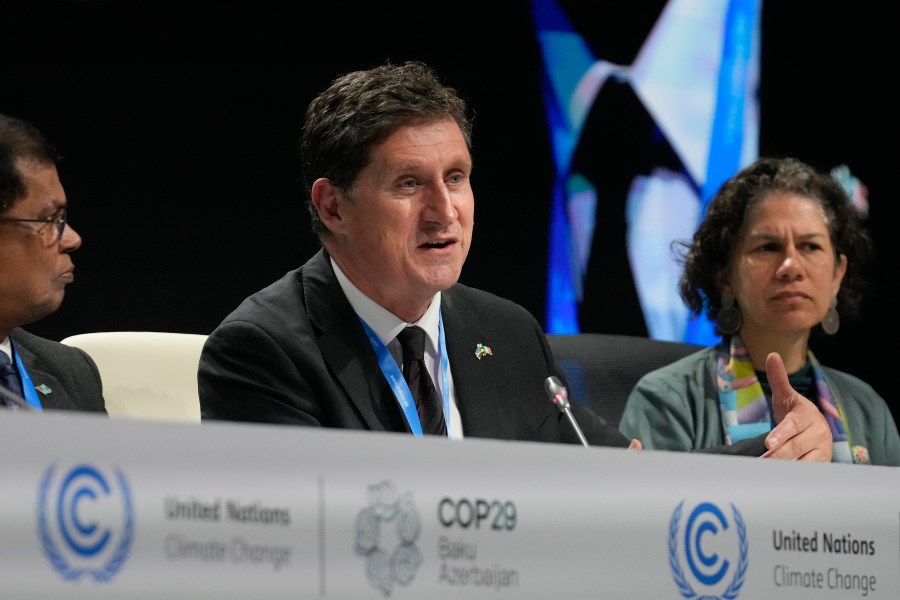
(708, 255)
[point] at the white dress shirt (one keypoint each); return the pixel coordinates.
(387, 325)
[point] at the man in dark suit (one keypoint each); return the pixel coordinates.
(35, 267)
(296, 353)
(386, 159)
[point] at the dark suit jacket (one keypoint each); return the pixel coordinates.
(69, 373)
(295, 353)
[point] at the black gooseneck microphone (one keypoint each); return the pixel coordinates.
(560, 397)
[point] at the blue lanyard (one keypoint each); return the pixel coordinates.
(27, 386)
(398, 384)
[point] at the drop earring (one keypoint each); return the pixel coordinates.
(832, 321)
(729, 318)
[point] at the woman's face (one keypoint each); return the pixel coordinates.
(783, 271)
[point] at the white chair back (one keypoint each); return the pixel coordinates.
(146, 374)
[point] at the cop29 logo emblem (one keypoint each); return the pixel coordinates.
(85, 521)
(714, 548)
(386, 534)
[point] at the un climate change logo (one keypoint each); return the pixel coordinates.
(397, 558)
(706, 545)
(85, 521)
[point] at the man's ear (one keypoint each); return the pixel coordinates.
(327, 197)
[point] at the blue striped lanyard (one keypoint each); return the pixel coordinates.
(27, 386)
(398, 384)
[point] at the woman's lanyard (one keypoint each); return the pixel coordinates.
(27, 386)
(398, 383)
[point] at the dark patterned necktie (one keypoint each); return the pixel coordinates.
(9, 379)
(428, 405)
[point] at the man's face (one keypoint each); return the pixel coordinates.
(406, 227)
(34, 266)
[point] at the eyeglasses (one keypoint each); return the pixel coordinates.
(59, 220)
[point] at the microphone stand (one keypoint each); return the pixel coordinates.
(560, 397)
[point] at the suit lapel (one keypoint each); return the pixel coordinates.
(342, 341)
(50, 392)
(473, 378)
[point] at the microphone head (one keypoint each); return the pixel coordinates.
(557, 391)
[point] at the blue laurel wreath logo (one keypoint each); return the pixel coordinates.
(85, 524)
(387, 510)
(706, 519)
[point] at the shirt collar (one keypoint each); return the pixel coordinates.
(384, 323)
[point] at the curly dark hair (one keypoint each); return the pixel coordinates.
(362, 108)
(708, 255)
(20, 140)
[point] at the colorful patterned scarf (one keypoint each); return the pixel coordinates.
(745, 410)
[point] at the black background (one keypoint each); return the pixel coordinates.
(179, 124)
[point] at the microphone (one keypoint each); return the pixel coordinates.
(560, 397)
(15, 399)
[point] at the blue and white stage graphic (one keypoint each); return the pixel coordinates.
(231, 510)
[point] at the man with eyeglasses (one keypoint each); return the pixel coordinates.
(35, 267)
